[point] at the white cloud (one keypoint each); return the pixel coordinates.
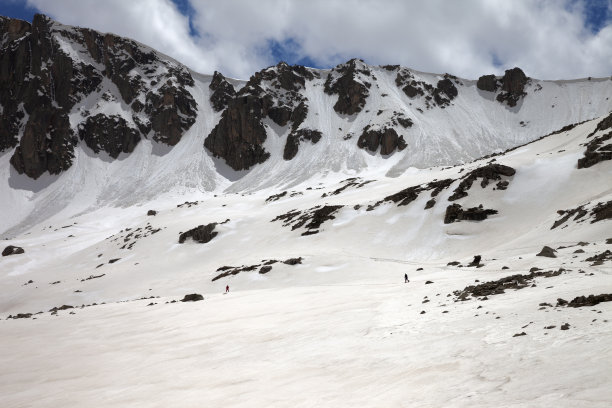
(546, 38)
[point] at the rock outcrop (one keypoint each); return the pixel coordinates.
(12, 250)
(386, 138)
(488, 83)
(201, 234)
(110, 134)
(273, 92)
(295, 138)
(441, 95)
(222, 92)
(547, 252)
(455, 212)
(488, 173)
(513, 86)
(349, 82)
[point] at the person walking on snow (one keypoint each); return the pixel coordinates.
(406, 278)
(226, 288)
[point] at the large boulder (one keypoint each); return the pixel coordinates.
(547, 252)
(192, 297)
(12, 250)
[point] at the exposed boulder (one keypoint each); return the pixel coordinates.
(476, 260)
(222, 93)
(12, 250)
(293, 261)
(547, 252)
(201, 234)
(193, 297)
(455, 212)
(151, 212)
(386, 138)
(265, 269)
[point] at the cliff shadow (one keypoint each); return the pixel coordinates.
(23, 182)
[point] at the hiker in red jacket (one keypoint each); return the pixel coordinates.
(226, 288)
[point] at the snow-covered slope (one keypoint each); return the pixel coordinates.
(337, 327)
(117, 87)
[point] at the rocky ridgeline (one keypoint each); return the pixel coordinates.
(441, 95)
(48, 70)
(56, 81)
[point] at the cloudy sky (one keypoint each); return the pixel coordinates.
(548, 39)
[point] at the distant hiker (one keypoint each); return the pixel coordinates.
(406, 278)
(226, 288)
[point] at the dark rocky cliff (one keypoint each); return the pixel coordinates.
(47, 70)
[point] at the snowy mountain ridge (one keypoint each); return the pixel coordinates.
(98, 120)
(305, 238)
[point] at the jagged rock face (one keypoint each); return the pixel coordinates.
(513, 86)
(295, 138)
(47, 144)
(46, 68)
(110, 134)
(445, 92)
(487, 83)
(386, 138)
(346, 81)
(442, 94)
(222, 93)
(275, 93)
(238, 136)
(171, 112)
